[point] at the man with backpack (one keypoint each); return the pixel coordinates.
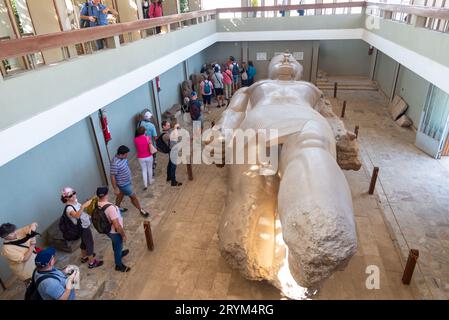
(195, 109)
(49, 283)
(107, 219)
(235, 69)
(19, 248)
(93, 14)
(217, 79)
(206, 88)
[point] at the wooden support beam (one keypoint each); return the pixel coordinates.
(373, 180)
(148, 235)
(410, 266)
(343, 110)
(2, 284)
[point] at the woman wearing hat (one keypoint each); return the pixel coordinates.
(74, 210)
(19, 248)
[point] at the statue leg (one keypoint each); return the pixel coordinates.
(247, 227)
(314, 206)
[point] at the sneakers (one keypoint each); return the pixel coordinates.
(122, 268)
(85, 259)
(125, 253)
(144, 213)
(176, 184)
(95, 264)
(145, 189)
(123, 209)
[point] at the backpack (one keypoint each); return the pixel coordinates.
(244, 75)
(70, 231)
(31, 292)
(195, 111)
(161, 145)
(100, 219)
(235, 69)
(207, 88)
(86, 23)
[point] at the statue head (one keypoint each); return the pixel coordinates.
(284, 67)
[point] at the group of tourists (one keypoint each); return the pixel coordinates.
(224, 80)
(36, 267)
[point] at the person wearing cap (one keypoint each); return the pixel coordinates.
(195, 108)
(75, 211)
(57, 285)
(150, 131)
(217, 79)
(19, 249)
(121, 180)
(206, 88)
(117, 234)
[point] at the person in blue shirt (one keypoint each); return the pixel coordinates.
(97, 14)
(57, 285)
(251, 73)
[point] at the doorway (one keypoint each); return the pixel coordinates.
(433, 128)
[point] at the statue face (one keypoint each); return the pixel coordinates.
(285, 67)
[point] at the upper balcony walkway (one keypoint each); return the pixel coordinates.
(81, 81)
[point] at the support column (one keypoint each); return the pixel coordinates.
(64, 21)
(156, 102)
(245, 3)
(395, 81)
(373, 64)
(418, 22)
(245, 49)
(315, 55)
(45, 20)
(318, 11)
(186, 69)
(128, 12)
(139, 10)
(101, 148)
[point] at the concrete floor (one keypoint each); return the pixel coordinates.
(412, 189)
(408, 210)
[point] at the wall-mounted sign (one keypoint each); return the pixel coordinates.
(298, 55)
(261, 56)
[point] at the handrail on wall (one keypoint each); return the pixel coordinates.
(32, 44)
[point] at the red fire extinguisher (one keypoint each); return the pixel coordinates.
(105, 127)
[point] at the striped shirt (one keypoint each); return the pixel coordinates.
(120, 169)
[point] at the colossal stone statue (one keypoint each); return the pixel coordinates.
(296, 227)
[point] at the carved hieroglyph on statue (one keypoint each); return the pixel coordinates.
(294, 228)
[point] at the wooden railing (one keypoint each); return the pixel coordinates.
(312, 6)
(29, 45)
(24, 46)
(421, 11)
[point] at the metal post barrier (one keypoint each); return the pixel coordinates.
(356, 131)
(148, 235)
(410, 266)
(335, 89)
(373, 180)
(344, 109)
(2, 284)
